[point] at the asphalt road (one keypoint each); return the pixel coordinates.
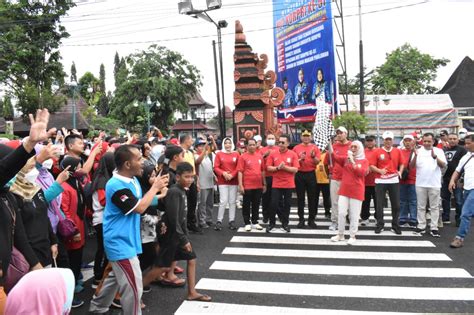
(303, 272)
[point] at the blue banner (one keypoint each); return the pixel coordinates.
(304, 58)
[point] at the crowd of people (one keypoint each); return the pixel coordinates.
(143, 196)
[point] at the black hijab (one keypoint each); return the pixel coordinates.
(4, 152)
(104, 172)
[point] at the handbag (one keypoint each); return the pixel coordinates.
(16, 270)
(406, 170)
(66, 227)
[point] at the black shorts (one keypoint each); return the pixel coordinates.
(171, 252)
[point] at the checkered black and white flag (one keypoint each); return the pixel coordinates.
(323, 128)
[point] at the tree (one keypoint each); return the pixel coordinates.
(73, 72)
(162, 74)
(30, 35)
(103, 104)
(353, 84)
(116, 67)
(353, 121)
(8, 111)
(407, 71)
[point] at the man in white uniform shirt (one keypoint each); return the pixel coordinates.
(466, 167)
(429, 161)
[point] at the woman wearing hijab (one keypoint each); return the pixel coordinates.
(225, 167)
(33, 205)
(46, 291)
(73, 206)
(351, 192)
(321, 91)
(101, 176)
(12, 232)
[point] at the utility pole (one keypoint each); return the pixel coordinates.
(361, 64)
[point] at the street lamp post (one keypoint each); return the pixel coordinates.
(186, 7)
(148, 106)
(376, 100)
(73, 85)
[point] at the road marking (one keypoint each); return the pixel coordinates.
(297, 253)
(331, 290)
(329, 232)
(321, 216)
(316, 241)
(371, 271)
(189, 307)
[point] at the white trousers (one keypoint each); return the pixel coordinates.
(423, 196)
(227, 195)
(353, 206)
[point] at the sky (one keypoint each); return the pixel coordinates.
(99, 28)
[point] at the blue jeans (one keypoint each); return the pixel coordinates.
(446, 201)
(467, 213)
(408, 204)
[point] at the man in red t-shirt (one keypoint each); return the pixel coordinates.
(340, 148)
(284, 164)
(267, 195)
(251, 183)
(370, 149)
(305, 179)
(387, 162)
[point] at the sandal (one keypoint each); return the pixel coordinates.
(178, 270)
(201, 298)
(176, 283)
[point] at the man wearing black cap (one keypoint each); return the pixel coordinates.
(305, 179)
(370, 149)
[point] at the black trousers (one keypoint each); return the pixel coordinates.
(369, 195)
(394, 195)
(267, 198)
(192, 203)
(75, 261)
(148, 255)
(251, 200)
(281, 195)
(62, 260)
(306, 183)
(100, 260)
(324, 189)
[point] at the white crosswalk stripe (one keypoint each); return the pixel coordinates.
(189, 307)
(332, 290)
(329, 232)
(333, 254)
(342, 270)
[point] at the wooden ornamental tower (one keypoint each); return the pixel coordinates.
(255, 95)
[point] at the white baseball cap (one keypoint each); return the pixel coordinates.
(408, 137)
(342, 129)
(462, 130)
(257, 138)
(387, 134)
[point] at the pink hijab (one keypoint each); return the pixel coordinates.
(45, 291)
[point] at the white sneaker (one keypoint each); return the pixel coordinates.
(258, 227)
(248, 228)
(337, 238)
(333, 226)
(365, 222)
(351, 241)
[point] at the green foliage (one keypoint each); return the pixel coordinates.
(116, 67)
(86, 81)
(160, 73)
(97, 122)
(8, 111)
(8, 136)
(407, 71)
(354, 122)
(73, 72)
(353, 84)
(30, 35)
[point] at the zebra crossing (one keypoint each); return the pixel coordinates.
(305, 272)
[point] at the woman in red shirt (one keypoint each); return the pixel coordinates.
(351, 192)
(225, 167)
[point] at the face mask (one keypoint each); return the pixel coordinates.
(32, 175)
(48, 164)
(462, 136)
(271, 142)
